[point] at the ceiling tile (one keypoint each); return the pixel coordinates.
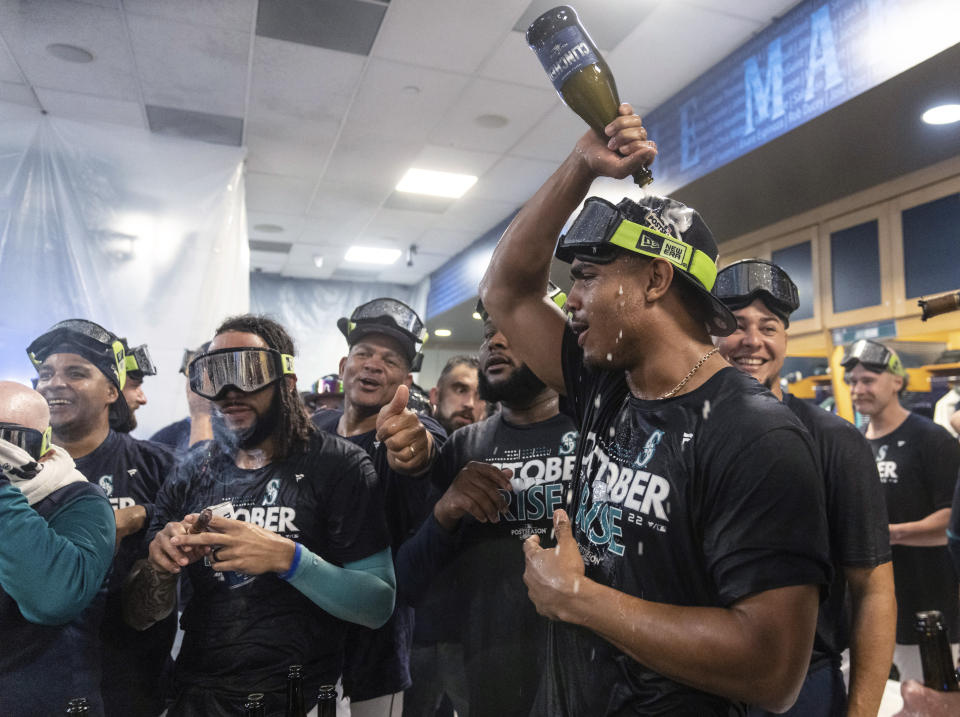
(226, 14)
(200, 126)
(763, 11)
(398, 226)
(351, 163)
(606, 21)
(28, 27)
(552, 138)
(708, 37)
(411, 202)
(513, 61)
(267, 260)
(344, 25)
(453, 35)
(290, 157)
(472, 214)
(302, 81)
(513, 180)
(9, 72)
(207, 73)
(87, 107)
(523, 107)
(459, 161)
(332, 231)
(272, 125)
(291, 226)
(447, 242)
(334, 201)
(270, 247)
(17, 94)
(277, 194)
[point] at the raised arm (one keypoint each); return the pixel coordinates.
(513, 288)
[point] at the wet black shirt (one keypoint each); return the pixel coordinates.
(698, 500)
(856, 514)
(918, 465)
(377, 662)
(242, 632)
(130, 472)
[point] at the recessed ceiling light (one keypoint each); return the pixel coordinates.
(443, 333)
(476, 315)
(411, 90)
(69, 53)
(491, 121)
(436, 184)
(317, 261)
(371, 255)
(268, 228)
(942, 114)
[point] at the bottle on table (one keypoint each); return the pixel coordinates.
(935, 656)
(78, 706)
(327, 701)
(254, 706)
(577, 70)
(295, 703)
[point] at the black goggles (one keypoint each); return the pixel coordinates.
(98, 345)
(190, 354)
(875, 357)
(138, 359)
(744, 281)
(386, 311)
(29, 439)
(245, 369)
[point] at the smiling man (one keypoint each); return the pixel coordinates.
(762, 296)
(384, 338)
(81, 371)
(296, 548)
(917, 461)
(686, 576)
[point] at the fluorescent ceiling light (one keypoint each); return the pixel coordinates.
(942, 114)
(371, 255)
(317, 261)
(442, 332)
(436, 184)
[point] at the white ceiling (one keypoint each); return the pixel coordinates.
(329, 132)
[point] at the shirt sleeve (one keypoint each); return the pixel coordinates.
(766, 524)
(421, 558)
(53, 569)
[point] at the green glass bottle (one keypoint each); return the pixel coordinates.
(936, 660)
(577, 70)
(78, 706)
(327, 701)
(295, 702)
(254, 706)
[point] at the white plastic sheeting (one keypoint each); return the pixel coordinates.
(309, 310)
(141, 233)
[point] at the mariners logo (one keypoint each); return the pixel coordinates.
(106, 482)
(649, 448)
(568, 444)
(270, 495)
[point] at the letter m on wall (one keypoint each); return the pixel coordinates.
(764, 96)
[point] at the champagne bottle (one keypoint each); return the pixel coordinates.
(78, 706)
(254, 706)
(935, 656)
(578, 71)
(327, 701)
(295, 692)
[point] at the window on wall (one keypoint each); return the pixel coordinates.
(855, 267)
(797, 261)
(931, 247)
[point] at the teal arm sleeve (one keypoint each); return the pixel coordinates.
(53, 569)
(362, 591)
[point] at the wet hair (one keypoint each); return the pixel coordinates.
(294, 427)
(453, 362)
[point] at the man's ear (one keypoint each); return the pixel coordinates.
(658, 278)
(408, 380)
(434, 396)
(343, 361)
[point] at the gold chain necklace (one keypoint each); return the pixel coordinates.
(686, 378)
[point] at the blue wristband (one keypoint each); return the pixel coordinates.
(293, 565)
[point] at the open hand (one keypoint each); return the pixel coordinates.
(554, 575)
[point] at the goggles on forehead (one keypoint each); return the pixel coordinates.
(601, 224)
(245, 369)
(138, 359)
(385, 311)
(874, 357)
(93, 338)
(29, 439)
(744, 280)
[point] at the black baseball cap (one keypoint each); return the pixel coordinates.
(389, 317)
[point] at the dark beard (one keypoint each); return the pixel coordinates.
(253, 436)
(519, 390)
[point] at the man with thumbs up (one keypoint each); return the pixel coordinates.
(384, 338)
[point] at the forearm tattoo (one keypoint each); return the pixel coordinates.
(149, 595)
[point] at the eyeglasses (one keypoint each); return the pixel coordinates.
(138, 359)
(246, 369)
(389, 310)
(745, 279)
(874, 357)
(29, 439)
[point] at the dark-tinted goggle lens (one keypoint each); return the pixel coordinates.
(138, 359)
(745, 279)
(247, 370)
(594, 225)
(874, 356)
(399, 313)
(31, 440)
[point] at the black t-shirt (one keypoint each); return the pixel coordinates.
(698, 500)
(242, 632)
(130, 472)
(503, 638)
(377, 662)
(918, 465)
(856, 514)
(176, 435)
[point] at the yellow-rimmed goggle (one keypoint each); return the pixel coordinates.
(601, 223)
(31, 440)
(92, 341)
(138, 359)
(244, 369)
(874, 356)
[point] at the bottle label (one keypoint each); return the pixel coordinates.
(566, 52)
